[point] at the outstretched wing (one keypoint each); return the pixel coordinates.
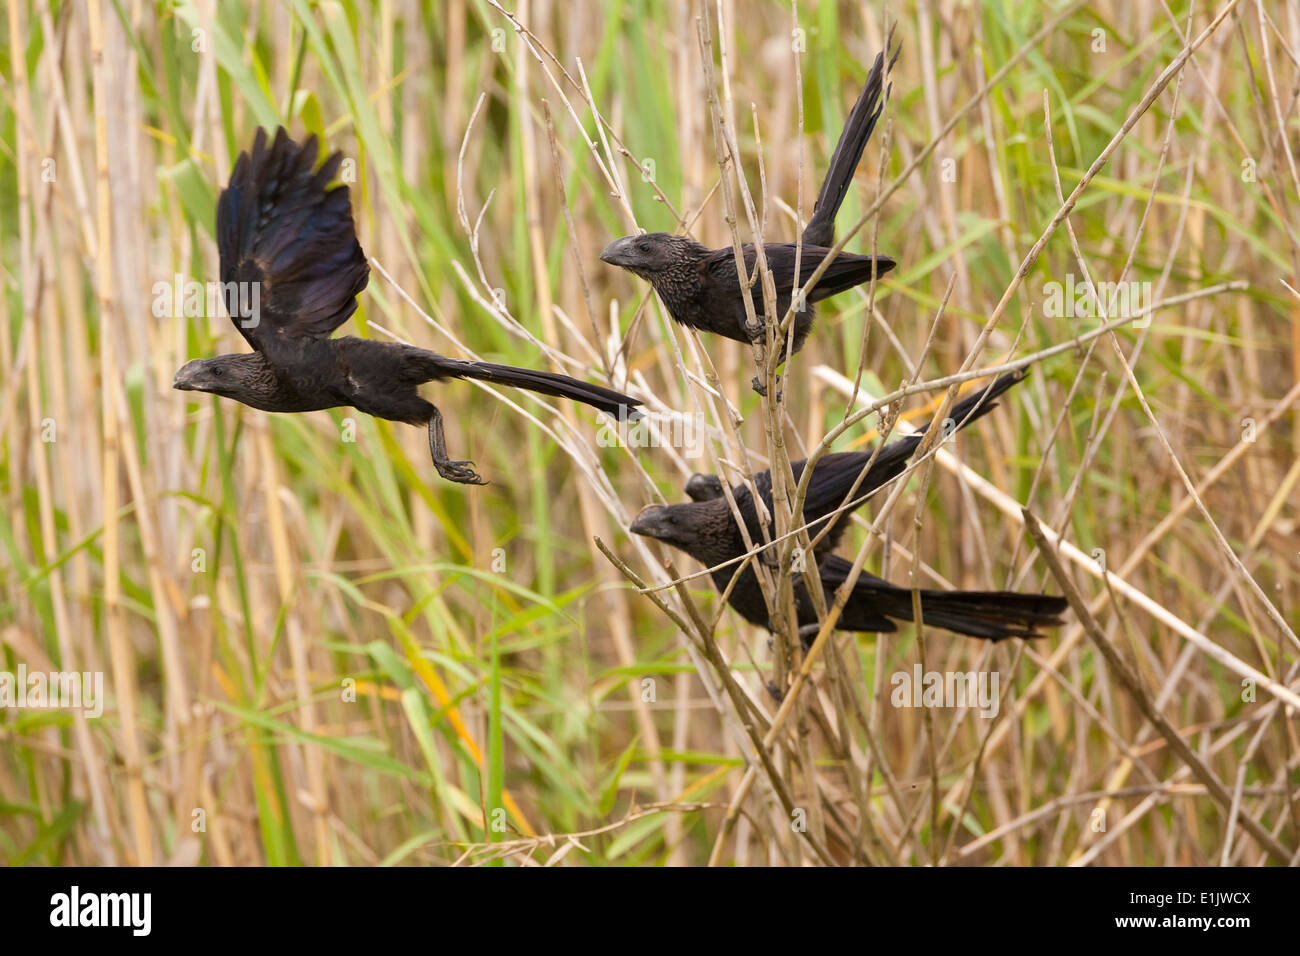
(846, 270)
(290, 261)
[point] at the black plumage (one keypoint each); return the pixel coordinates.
(284, 233)
(699, 286)
(706, 529)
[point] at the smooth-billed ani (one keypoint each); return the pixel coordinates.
(285, 234)
(699, 286)
(706, 529)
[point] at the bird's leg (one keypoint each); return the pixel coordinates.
(806, 634)
(758, 385)
(761, 386)
(459, 471)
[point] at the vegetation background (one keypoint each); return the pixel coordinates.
(315, 651)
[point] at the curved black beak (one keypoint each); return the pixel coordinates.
(185, 376)
(649, 522)
(618, 252)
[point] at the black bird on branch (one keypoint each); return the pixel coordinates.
(288, 247)
(699, 286)
(706, 529)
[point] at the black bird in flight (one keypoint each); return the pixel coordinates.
(706, 529)
(286, 236)
(699, 286)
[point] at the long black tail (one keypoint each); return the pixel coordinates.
(992, 615)
(848, 151)
(893, 457)
(835, 474)
(544, 383)
(979, 401)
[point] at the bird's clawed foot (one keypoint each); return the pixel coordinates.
(460, 471)
(758, 385)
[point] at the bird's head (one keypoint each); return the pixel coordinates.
(667, 523)
(704, 487)
(649, 254)
(233, 376)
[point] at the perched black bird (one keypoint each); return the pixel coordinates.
(287, 244)
(706, 530)
(699, 286)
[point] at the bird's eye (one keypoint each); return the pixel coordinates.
(643, 246)
(217, 372)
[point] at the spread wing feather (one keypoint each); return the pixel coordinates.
(281, 226)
